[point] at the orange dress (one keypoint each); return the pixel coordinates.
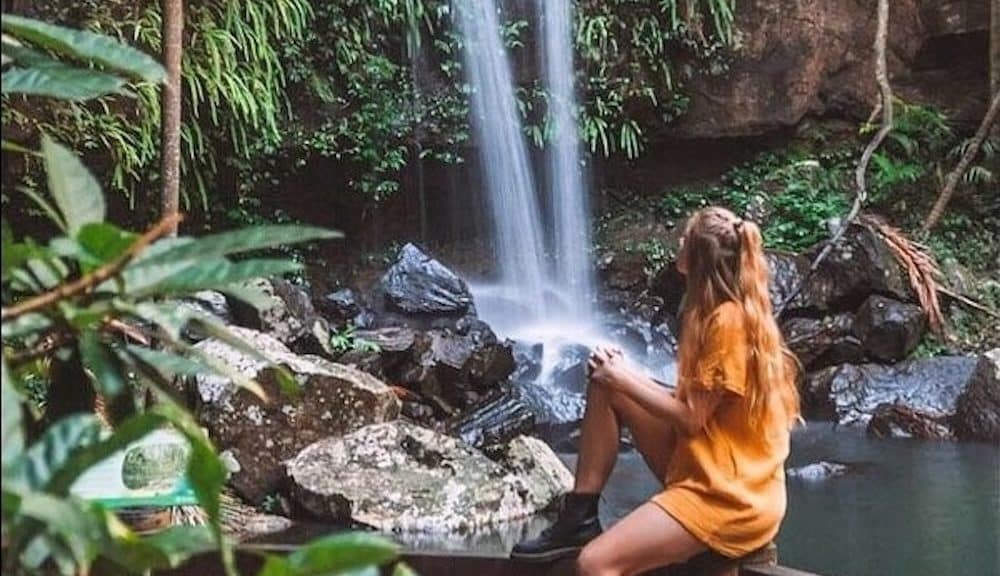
(726, 484)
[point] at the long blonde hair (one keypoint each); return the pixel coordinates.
(724, 257)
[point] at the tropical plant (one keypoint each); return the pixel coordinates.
(635, 58)
(234, 92)
(347, 340)
(90, 314)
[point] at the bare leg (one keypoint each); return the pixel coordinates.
(605, 413)
(645, 539)
(599, 437)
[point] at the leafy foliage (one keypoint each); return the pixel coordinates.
(635, 58)
(347, 340)
(75, 303)
(234, 92)
(792, 194)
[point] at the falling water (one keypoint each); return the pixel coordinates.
(539, 300)
(567, 190)
(518, 240)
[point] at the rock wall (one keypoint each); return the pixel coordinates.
(814, 57)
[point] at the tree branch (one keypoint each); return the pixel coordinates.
(951, 183)
(860, 174)
(95, 278)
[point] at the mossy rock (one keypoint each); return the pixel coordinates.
(154, 466)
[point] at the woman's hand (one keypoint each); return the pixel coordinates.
(607, 366)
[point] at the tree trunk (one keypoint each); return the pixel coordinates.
(995, 47)
(170, 143)
(951, 183)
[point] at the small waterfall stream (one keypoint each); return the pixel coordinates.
(516, 218)
(567, 190)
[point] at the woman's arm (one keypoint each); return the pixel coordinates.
(688, 416)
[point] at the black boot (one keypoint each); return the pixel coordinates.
(577, 524)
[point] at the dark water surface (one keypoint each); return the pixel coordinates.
(918, 508)
(911, 508)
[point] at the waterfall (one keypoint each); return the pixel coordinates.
(513, 201)
(566, 187)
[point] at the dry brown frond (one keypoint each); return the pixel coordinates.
(920, 266)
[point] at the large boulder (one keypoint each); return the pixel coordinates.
(889, 329)
(978, 414)
(341, 306)
(795, 58)
(457, 370)
(400, 477)
(494, 422)
(899, 421)
(288, 315)
(861, 264)
(930, 386)
(821, 342)
(419, 284)
(258, 435)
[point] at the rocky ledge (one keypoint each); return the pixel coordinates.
(401, 477)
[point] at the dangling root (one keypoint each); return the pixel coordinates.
(920, 267)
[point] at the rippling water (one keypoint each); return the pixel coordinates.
(910, 508)
(917, 508)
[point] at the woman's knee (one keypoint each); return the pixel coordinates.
(593, 562)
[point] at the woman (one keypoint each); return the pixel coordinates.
(719, 442)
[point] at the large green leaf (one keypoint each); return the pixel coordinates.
(103, 242)
(213, 274)
(80, 527)
(12, 443)
(61, 444)
(132, 430)
(334, 555)
(107, 372)
(30, 323)
(74, 188)
(205, 472)
(63, 82)
(239, 241)
(85, 46)
(166, 364)
(218, 330)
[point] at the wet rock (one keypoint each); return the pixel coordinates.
(817, 402)
(259, 436)
(495, 421)
(400, 477)
(527, 361)
(788, 271)
(289, 316)
(896, 421)
(570, 369)
(818, 471)
(888, 329)
(341, 305)
(821, 342)
(206, 302)
(797, 58)
(978, 413)
(861, 264)
(453, 369)
(381, 351)
(929, 385)
(419, 284)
